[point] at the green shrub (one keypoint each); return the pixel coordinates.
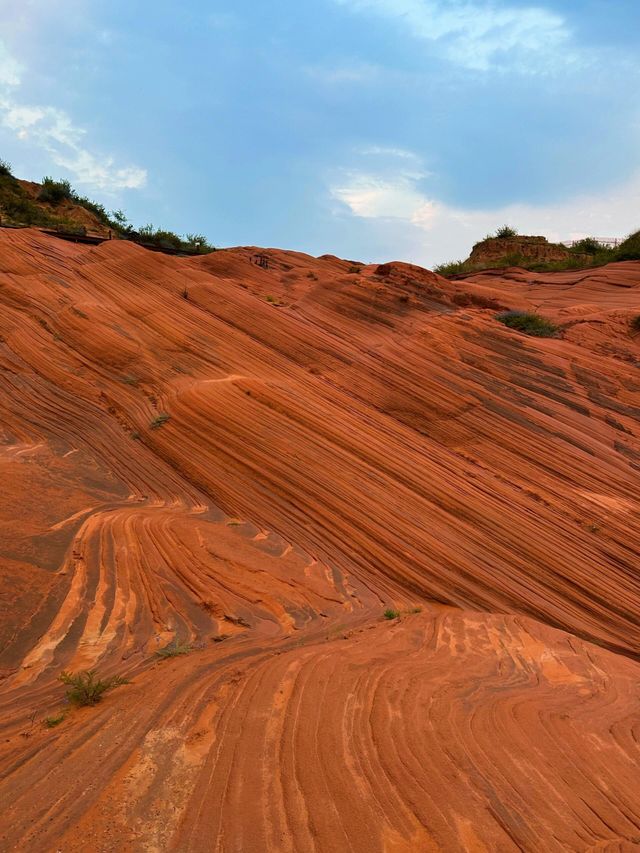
(635, 323)
(174, 649)
(587, 246)
(199, 244)
(528, 323)
(505, 232)
(355, 270)
(629, 249)
(391, 614)
(55, 192)
(5, 168)
(86, 689)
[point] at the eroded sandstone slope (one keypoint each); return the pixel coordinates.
(256, 453)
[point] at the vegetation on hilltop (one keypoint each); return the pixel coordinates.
(583, 254)
(53, 207)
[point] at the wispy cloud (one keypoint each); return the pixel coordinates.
(479, 35)
(53, 130)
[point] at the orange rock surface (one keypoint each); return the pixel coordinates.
(340, 440)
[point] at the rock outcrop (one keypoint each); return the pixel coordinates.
(495, 250)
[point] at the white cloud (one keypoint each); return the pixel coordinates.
(429, 232)
(53, 131)
(387, 188)
(480, 35)
(371, 196)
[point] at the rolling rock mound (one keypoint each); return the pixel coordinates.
(256, 460)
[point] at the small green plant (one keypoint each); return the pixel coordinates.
(528, 323)
(174, 649)
(130, 380)
(54, 720)
(355, 270)
(5, 168)
(160, 420)
(391, 614)
(505, 232)
(85, 688)
(136, 436)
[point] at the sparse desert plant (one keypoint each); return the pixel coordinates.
(528, 323)
(635, 323)
(85, 688)
(354, 270)
(54, 720)
(505, 232)
(389, 613)
(5, 168)
(174, 649)
(160, 420)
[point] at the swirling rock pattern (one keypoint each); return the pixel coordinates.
(257, 460)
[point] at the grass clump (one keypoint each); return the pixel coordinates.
(54, 720)
(174, 649)
(160, 420)
(528, 323)
(390, 614)
(85, 688)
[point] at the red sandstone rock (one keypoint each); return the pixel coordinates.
(376, 440)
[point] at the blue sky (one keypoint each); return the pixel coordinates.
(370, 129)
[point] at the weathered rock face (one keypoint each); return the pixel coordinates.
(495, 249)
(258, 459)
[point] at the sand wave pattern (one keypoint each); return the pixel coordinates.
(251, 463)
